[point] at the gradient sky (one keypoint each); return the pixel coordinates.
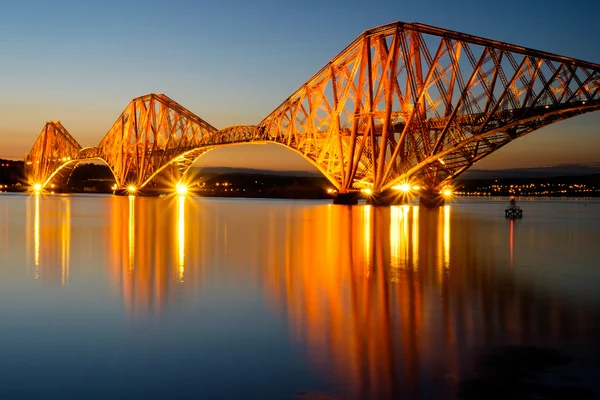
(233, 62)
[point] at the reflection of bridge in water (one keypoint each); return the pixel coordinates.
(402, 104)
(382, 299)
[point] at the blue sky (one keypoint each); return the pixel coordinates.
(233, 62)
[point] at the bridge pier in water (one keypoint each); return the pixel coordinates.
(346, 199)
(148, 192)
(387, 198)
(431, 198)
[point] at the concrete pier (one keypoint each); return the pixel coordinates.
(431, 198)
(387, 198)
(141, 193)
(347, 199)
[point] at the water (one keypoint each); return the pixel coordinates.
(105, 297)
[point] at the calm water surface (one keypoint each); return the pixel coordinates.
(116, 297)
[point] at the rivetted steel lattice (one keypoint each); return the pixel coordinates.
(410, 102)
(402, 103)
(151, 133)
(53, 148)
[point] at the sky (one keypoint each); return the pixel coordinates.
(233, 62)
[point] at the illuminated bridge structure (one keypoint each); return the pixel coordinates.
(404, 105)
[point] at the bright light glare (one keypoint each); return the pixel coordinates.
(114, 187)
(416, 187)
(37, 187)
(181, 189)
(447, 192)
(131, 188)
(367, 191)
(405, 187)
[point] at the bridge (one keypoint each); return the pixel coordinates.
(403, 107)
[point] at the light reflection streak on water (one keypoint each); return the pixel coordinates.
(395, 215)
(36, 237)
(65, 242)
(131, 232)
(405, 235)
(181, 235)
(446, 237)
(511, 239)
(367, 237)
(439, 259)
(415, 237)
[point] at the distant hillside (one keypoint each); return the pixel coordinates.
(539, 172)
(11, 172)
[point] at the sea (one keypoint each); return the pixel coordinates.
(188, 297)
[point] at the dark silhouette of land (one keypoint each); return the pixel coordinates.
(557, 186)
(11, 172)
(240, 182)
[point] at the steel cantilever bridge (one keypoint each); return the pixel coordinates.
(403, 104)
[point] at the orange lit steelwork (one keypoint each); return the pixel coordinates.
(402, 103)
(52, 154)
(413, 102)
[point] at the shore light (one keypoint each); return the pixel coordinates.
(37, 187)
(367, 191)
(131, 189)
(405, 187)
(447, 193)
(181, 189)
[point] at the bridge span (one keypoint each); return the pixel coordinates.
(404, 106)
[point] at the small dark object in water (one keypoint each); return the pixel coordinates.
(513, 211)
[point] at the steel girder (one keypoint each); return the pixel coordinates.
(54, 149)
(150, 134)
(402, 103)
(413, 103)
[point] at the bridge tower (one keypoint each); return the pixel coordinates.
(53, 157)
(409, 105)
(153, 133)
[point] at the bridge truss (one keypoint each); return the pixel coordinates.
(53, 156)
(410, 102)
(403, 103)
